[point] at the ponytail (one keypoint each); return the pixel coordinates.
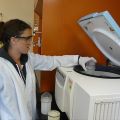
(1, 30)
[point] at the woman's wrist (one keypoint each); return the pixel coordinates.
(78, 59)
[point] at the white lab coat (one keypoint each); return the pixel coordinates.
(17, 100)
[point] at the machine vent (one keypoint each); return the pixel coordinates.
(108, 110)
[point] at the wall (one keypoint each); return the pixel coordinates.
(22, 9)
(62, 35)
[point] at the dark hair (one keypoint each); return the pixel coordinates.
(12, 28)
(1, 29)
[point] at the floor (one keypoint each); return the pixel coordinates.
(53, 107)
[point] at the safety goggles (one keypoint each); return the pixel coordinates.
(28, 38)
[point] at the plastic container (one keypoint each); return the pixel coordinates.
(53, 115)
(46, 99)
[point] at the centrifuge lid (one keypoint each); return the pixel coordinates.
(105, 33)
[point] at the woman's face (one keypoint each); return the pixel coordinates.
(23, 42)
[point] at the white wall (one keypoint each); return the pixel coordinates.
(21, 9)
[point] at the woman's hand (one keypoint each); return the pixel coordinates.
(83, 61)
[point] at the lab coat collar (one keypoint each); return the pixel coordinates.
(24, 58)
(4, 54)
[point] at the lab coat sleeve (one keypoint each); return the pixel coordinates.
(43, 62)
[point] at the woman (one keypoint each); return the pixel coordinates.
(17, 65)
